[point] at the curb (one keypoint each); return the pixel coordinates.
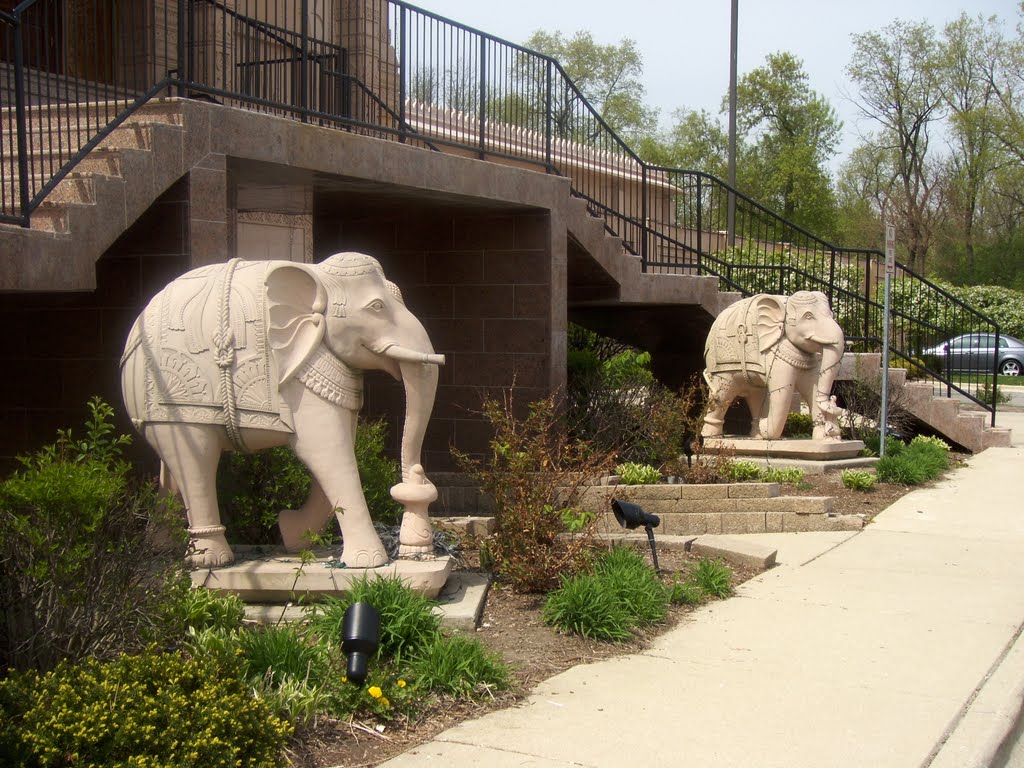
(990, 722)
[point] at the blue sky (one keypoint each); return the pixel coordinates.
(685, 44)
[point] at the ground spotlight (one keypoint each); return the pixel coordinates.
(360, 637)
(630, 516)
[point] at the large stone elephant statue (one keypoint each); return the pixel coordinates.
(764, 349)
(248, 355)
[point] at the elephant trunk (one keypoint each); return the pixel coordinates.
(420, 380)
(823, 409)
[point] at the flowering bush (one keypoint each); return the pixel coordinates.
(154, 709)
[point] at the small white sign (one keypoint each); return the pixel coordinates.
(890, 249)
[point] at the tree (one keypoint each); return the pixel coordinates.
(790, 132)
(898, 72)
(608, 76)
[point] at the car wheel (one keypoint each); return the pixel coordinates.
(1010, 368)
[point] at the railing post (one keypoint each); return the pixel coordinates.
(832, 278)
(645, 228)
(995, 380)
(21, 117)
(181, 46)
(403, 64)
(483, 95)
(548, 117)
(867, 297)
(304, 63)
(700, 226)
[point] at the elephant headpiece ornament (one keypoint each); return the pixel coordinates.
(764, 349)
(249, 355)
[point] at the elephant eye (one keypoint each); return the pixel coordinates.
(376, 305)
(808, 315)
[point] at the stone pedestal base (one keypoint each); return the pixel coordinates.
(798, 448)
(264, 576)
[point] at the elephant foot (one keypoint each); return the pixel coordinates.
(296, 528)
(364, 558)
(209, 547)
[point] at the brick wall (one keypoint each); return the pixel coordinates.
(480, 282)
(59, 349)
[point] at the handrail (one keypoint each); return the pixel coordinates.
(418, 76)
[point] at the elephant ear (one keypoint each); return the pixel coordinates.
(770, 318)
(296, 302)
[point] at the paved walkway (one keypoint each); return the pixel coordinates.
(895, 646)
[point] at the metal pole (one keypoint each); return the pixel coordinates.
(21, 119)
(733, 36)
(890, 267)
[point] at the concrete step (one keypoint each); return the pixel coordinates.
(135, 134)
(74, 188)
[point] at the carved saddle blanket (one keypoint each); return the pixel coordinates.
(736, 346)
(207, 352)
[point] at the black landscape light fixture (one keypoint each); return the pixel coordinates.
(360, 637)
(630, 516)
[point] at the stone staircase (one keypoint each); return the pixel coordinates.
(95, 203)
(949, 417)
(625, 270)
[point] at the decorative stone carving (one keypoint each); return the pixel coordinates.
(764, 349)
(249, 355)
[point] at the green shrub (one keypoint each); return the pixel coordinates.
(281, 652)
(585, 605)
(201, 608)
(685, 593)
(621, 594)
(407, 620)
(631, 473)
(790, 475)
(798, 425)
(458, 666)
(81, 572)
(377, 473)
(748, 471)
(154, 709)
(857, 480)
(634, 584)
(923, 459)
(253, 488)
(744, 472)
(713, 578)
(534, 469)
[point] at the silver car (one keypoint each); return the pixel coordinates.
(977, 352)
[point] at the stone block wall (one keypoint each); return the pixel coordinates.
(480, 282)
(60, 349)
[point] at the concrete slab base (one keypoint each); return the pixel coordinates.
(798, 448)
(735, 550)
(269, 576)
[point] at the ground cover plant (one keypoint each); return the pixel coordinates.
(622, 594)
(920, 460)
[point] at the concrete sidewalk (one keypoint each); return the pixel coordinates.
(895, 646)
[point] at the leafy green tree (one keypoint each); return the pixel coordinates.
(609, 77)
(899, 75)
(790, 133)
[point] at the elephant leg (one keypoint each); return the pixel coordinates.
(190, 453)
(779, 399)
(756, 403)
(296, 524)
(721, 392)
(325, 441)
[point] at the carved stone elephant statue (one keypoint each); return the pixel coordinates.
(764, 349)
(248, 355)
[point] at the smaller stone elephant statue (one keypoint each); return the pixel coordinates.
(764, 349)
(252, 354)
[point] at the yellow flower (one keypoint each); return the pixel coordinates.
(344, 679)
(375, 692)
(384, 701)
(401, 683)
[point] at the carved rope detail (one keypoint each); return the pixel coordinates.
(224, 341)
(207, 530)
(328, 377)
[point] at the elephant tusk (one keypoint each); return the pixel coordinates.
(400, 353)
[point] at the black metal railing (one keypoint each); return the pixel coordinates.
(389, 69)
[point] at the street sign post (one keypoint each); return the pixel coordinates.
(890, 270)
